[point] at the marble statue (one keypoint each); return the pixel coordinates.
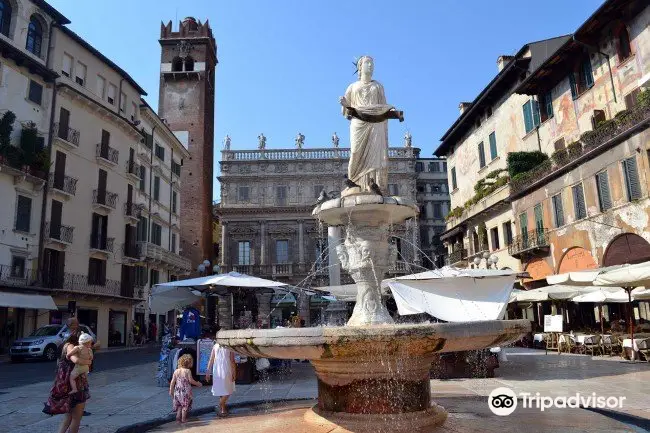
(364, 104)
(408, 138)
(226, 142)
(335, 140)
(261, 142)
(300, 141)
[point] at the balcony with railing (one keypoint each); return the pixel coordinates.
(282, 269)
(59, 233)
(107, 155)
(163, 257)
(65, 185)
(133, 210)
(131, 252)
(456, 257)
(17, 276)
(590, 145)
(66, 135)
(79, 283)
(133, 169)
(104, 199)
(310, 154)
(99, 245)
(532, 243)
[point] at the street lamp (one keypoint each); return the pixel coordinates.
(216, 269)
(490, 260)
(201, 268)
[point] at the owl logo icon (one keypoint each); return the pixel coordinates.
(502, 401)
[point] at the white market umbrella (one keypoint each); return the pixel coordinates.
(576, 278)
(552, 293)
(454, 294)
(603, 296)
(168, 296)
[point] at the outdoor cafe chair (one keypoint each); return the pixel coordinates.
(644, 348)
(606, 345)
(567, 344)
(592, 345)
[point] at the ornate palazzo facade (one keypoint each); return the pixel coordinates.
(267, 197)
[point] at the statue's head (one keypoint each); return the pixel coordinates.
(365, 66)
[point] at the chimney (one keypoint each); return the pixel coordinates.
(463, 106)
(503, 61)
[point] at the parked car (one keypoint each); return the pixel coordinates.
(45, 342)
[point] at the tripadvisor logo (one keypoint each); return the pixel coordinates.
(503, 401)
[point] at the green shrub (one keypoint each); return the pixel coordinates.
(521, 162)
(456, 212)
(574, 149)
(560, 157)
(643, 98)
(495, 173)
(6, 128)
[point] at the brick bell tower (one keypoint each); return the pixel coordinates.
(186, 103)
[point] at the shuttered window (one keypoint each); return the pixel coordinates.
(558, 211)
(531, 115)
(156, 188)
(454, 185)
(493, 145)
(523, 223)
(604, 197)
(539, 217)
(579, 202)
(23, 213)
(632, 184)
(481, 154)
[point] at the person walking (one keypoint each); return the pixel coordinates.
(224, 372)
(60, 400)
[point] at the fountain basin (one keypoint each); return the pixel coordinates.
(366, 209)
(368, 373)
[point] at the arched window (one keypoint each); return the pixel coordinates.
(189, 64)
(5, 17)
(624, 49)
(34, 36)
(177, 64)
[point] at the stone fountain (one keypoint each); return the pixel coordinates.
(372, 375)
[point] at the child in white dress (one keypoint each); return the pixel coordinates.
(223, 368)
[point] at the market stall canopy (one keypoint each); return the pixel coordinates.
(609, 294)
(576, 278)
(624, 275)
(558, 292)
(174, 294)
(22, 300)
(454, 294)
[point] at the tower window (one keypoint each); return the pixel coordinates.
(189, 64)
(177, 64)
(34, 36)
(623, 46)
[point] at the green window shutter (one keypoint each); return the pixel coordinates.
(156, 188)
(604, 196)
(493, 145)
(579, 202)
(453, 179)
(528, 117)
(539, 217)
(548, 103)
(574, 87)
(559, 211)
(481, 154)
(535, 108)
(632, 183)
(523, 223)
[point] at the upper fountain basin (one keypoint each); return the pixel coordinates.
(365, 209)
(362, 341)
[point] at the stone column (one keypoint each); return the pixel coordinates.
(334, 239)
(262, 243)
(224, 311)
(224, 244)
(415, 238)
(301, 242)
(264, 309)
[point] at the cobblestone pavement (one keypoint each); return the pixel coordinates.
(129, 395)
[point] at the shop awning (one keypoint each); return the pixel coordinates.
(22, 300)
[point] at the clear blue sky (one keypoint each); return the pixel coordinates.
(284, 63)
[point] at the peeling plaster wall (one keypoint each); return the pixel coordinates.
(595, 232)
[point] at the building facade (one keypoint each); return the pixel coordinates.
(476, 146)
(26, 88)
(186, 102)
(91, 177)
(267, 229)
(156, 207)
(432, 194)
(588, 205)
